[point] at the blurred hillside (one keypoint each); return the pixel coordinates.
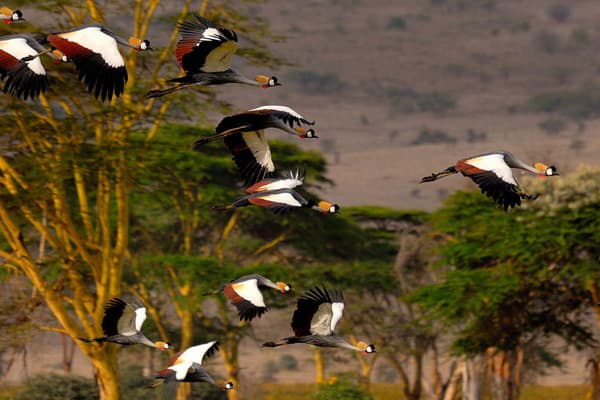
(400, 89)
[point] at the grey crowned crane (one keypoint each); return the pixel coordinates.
(244, 136)
(244, 293)
(317, 313)
(204, 54)
(186, 366)
(492, 173)
(94, 50)
(19, 60)
(122, 324)
(9, 16)
(278, 195)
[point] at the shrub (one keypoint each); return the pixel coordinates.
(407, 100)
(474, 136)
(561, 74)
(58, 387)
(269, 371)
(578, 104)
(396, 23)
(315, 83)
(579, 37)
(559, 12)
(436, 102)
(433, 136)
(341, 389)
(552, 126)
(289, 362)
(547, 41)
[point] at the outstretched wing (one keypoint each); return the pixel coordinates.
(119, 318)
(278, 201)
(204, 47)
(247, 298)
(263, 117)
(195, 354)
(251, 154)
(494, 178)
(318, 312)
(288, 180)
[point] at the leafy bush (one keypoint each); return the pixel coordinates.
(269, 371)
(58, 387)
(315, 83)
(579, 37)
(561, 74)
(578, 104)
(289, 362)
(433, 136)
(436, 102)
(341, 389)
(396, 23)
(552, 126)
(473, 136)
(559, 12)
(547, 41)
(407, 100)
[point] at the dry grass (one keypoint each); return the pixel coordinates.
(390, 391)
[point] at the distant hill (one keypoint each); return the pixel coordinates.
(400, 89)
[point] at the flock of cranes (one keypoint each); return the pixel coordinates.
(204, 53)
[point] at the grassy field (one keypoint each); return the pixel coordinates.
(389, 391)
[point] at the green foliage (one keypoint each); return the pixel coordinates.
(579, 104)
(288, 362)
(546, 41)
(552, 126)
(341, 389)
(407, 100)
(579, 37)
(427, 136)
(378, 213)
(559, 12)
(396, 22)
(520, 272)
(315, 83)
(57, 387)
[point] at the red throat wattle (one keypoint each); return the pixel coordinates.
(7, 21)
(265, 86)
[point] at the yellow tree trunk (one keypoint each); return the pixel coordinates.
(593, 392)
(319, 366)
(106, 373)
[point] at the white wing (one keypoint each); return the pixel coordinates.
(140, 317)
(282, 198)
(99, 42)
(18, 48)
(194, 354)
(258, 145)
(337, 309)
(496, 164)
(249, 290)
(279, 108)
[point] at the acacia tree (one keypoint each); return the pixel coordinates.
(67, 176)
(520, 275)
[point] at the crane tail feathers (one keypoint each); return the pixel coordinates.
(155, 384)
(434, 177)
(222, 208)
(274, 344)
(161, 92)
(94, 340)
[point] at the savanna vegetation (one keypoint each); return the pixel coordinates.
(99, 200)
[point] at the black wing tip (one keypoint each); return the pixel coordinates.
(323, 295)
(248, 313)
(197, 145)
